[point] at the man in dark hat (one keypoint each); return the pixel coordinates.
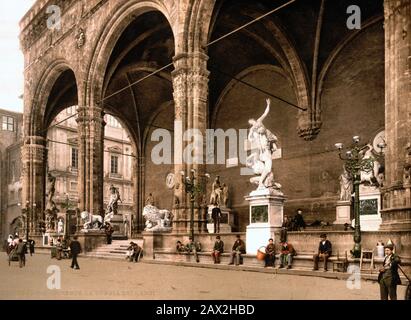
(75, 249)
(389, 277)
(237, 250)
(324, 252)
(218, 249)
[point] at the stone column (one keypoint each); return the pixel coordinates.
(190, 82)
(396, 213)
(33, 173)
(91, 159)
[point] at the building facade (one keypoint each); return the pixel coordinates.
(63, 163)
(165, 64)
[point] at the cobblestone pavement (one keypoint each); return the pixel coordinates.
(106, 279)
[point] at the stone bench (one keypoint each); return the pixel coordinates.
(301, 260)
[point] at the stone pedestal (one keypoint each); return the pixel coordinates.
(91, 239)
(266, 217)
(343, 213)
(148, 245)
(118, 225)
(227, 222)
(370, 208)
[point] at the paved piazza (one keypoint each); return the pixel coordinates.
(106, 279)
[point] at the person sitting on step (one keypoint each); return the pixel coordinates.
(287, 252)
(193, 247)
(237, 250)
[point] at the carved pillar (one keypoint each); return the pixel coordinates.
(190, 82)
(91, 159)
(33, 173)
(396, 213)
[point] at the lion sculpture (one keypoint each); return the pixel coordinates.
(157, 219)
(91, 221)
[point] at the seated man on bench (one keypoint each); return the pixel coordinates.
(193, 247)
(324, 252)
(237, 250)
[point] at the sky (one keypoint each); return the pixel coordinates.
(12, 61)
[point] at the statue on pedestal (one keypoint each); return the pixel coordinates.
(225, 195)
(216, 191)
(60, 226)
(112, 207)
(263, 145)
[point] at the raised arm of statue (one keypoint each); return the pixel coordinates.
(267, 110)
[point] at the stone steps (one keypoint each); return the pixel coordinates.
(117, 250)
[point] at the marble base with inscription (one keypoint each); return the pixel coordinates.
(266, 217)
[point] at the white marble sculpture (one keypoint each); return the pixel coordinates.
(60, 226)
(346, 186)
(216, 192)
(91, 221)
(263, 144)
(371, 177)
(157, 219)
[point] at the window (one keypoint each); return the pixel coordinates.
(72, 110)
(112, 122)
(8, 123)
(114, 165)
(74, 158)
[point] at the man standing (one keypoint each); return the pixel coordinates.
(21, 253)
(237, 250)
(75, 249)
(216, 215)
(108, 229)
(299, 220)
(389, 277)
(324, 252)
(217, 250)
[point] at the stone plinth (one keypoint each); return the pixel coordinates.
(118, 225)
(266, 217)
(370, 208)
(91, 239)
(343, 213)
(227, 222)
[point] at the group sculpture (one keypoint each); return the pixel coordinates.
(112, 207)
(263, 145)
(51, 208)
(219, 193)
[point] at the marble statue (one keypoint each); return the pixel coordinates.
(346, 186)
(112, 206)
(157, 219)
(263, 145)
(51, 190)
(216, 191)
(225, 195)
(91, 221)
(370, 177)
(60, 226)
(150, 200)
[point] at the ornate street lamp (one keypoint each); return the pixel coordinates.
(193, 188)
(354, 164)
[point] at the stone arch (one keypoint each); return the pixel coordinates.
(108, 38)
(34, 117)
(197, 26)
(242, 75)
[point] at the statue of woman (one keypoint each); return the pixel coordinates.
(263, 144)
(346, 186)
